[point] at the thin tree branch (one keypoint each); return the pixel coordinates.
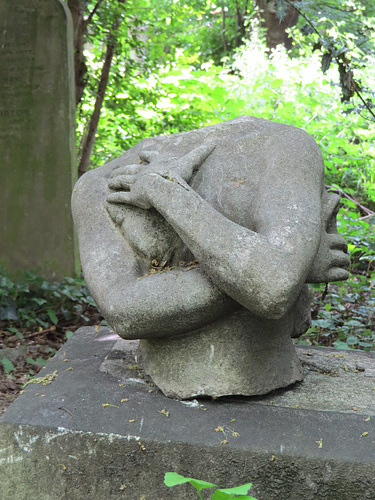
(223, 38)
(364, 102)
(92, 13)
(305, 18)
(35, 334)
(338, 62)
(352, 199)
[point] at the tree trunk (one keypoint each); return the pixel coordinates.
(77, 10)
(276, 29)
(241, 24)
(223, 34)
(89, 139)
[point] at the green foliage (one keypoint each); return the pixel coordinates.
(35, 301)
(174, 479)
(345, 319)
(7, 365)
(341, 31)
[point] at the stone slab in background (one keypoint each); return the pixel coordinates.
(37, 121)
(89, 433)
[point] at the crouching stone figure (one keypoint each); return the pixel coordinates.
(201, 244)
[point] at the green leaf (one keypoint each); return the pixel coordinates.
(39, 300)
(326, 61)
(221, 495)
(8, 365)
(352, 340)
(52, 315)
(280, 9)
(174, 479)
(229, 493)
(8, 312)
(238, 490)
(339, 344)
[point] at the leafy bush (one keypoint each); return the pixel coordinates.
(345, 319)
(35, 301)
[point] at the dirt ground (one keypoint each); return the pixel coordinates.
(27, 354)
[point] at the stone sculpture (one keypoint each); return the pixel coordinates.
(201, 244)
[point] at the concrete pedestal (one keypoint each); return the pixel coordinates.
(100, 429)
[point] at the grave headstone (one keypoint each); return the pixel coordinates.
(36, 137)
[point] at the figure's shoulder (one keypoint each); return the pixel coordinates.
(269, 130)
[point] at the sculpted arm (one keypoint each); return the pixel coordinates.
(262, 269)
(175, 302)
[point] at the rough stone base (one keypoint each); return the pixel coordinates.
(238, 355)
(91, 434)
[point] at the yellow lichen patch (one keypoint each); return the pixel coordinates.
(133, 367)
(47, 379)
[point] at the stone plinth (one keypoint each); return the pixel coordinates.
(101, 429)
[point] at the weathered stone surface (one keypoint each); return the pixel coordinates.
(201, 243)
(88, 433)
(335, 380)
(37, 144)
(234, 356)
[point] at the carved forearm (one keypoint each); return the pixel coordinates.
(164, 304)
(261, 275)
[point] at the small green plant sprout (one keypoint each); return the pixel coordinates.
(174, 479)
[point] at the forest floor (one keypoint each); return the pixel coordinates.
(30, 353)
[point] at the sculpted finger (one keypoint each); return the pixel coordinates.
(337, 242)
(121, 197)
(337, 274)
(329, 212)
(339, 259)
(148, 156)
(196, 157)
(121, 182)
(125, 170)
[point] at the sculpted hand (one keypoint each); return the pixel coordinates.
(131, 181)
(331, 260)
